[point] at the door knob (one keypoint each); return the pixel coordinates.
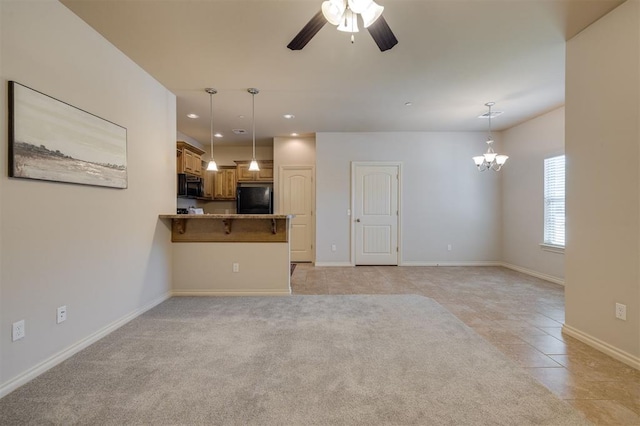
(357, 220)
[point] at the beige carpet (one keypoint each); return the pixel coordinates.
(299, 360)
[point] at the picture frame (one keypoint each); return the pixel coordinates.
(51, 140)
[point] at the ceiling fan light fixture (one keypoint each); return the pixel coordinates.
(344, 15)
(371, 14)
(349, 23)
(333, 10)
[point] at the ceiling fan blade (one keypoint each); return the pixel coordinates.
(382, 34)
(307, 33)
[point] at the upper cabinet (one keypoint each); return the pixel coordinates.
(189, 159)
(225, 183)
(265, 174)
(208, 179)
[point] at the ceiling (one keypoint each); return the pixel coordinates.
(453, 56)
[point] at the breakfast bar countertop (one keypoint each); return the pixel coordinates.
(226, 216)
(229, 227)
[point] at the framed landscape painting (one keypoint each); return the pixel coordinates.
(54, 141)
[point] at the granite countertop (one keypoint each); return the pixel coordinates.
(226, 216)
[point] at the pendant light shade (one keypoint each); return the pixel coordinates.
(333, 10)
(212, 166)
(359, 6)
(253, 166)
(371, 14)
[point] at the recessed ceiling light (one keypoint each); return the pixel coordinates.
(408, 103)
(217, 135)
(294, 134)
(239, 131)
(289, 116)
(192, 115)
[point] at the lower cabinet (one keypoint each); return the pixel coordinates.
(225, 182)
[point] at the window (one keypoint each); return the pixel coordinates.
(554, 201)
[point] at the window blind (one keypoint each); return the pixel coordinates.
(554, 216)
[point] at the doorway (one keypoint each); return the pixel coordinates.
(297, 197)
(376, 212)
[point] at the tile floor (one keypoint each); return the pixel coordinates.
(519, 314)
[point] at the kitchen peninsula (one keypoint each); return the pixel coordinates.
(230, 254)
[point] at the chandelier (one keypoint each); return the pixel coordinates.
(343, 13)
(490, 159)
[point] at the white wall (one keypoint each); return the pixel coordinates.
(291, 151)
(603, 182)
(102, 252)
(207, 269)
(527, 145)
(294, 151)
(445, 200)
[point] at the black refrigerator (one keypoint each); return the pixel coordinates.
(254, 200)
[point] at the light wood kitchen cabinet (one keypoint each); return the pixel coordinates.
(189, 159)
(225, 181)
(265, 174)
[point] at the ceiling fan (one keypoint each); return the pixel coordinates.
(344, 14)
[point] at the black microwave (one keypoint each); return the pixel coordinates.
(190, 186)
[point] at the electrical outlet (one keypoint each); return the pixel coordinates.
(61, 314)
(449, 247)
(18, 331)
(333, 247)
(621, 311)
(236, 267)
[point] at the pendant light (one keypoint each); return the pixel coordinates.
(490, 159)
(212, 166)
(253, 166)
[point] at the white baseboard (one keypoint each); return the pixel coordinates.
(68, 352)
(230, 292)
(612, 351)
(334, 264)
(452, 263)
(533, 273)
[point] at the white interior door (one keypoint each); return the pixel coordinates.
(376, 214)
(296, 197)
